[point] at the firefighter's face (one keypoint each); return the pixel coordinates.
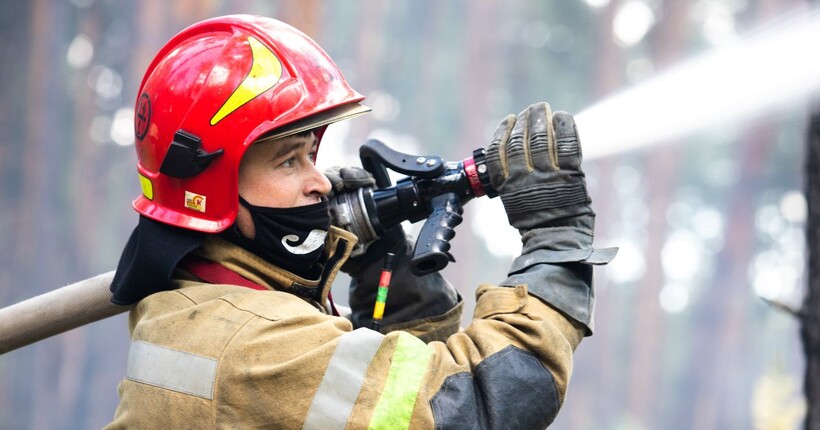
(279, 174)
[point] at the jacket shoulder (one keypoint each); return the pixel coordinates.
(271, 305)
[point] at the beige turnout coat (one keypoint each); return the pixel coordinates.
(230, 357)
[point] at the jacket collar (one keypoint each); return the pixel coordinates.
(339, 244)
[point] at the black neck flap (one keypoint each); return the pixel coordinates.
(149, 258)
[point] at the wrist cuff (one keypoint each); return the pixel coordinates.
(565, 286)
(540, 256)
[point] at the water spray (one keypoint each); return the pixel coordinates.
(773, 68)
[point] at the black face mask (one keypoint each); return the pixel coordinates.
(292, 238)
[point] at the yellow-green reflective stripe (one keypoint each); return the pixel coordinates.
(406, 374)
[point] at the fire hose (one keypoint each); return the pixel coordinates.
(57, 311)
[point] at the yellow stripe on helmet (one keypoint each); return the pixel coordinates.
(265, 73)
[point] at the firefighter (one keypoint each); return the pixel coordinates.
(233, 257)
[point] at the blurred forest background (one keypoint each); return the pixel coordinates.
(708, 223)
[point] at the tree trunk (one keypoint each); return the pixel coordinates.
(810, 315)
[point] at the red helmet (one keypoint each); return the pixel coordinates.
(210, 92)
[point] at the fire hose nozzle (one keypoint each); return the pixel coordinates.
(434, 190)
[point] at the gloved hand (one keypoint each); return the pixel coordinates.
(534, 162)
(427, 306)
(348, 178)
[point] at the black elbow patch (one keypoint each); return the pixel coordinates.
(508, 390)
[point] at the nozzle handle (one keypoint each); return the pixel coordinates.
(433, 244)
(377, 157)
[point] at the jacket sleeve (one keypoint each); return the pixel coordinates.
(508, 369)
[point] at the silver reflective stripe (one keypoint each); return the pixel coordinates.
(343, 380)
(171, 369)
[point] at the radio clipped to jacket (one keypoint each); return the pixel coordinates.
(433, 189)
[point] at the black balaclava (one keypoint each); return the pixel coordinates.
(291, 238)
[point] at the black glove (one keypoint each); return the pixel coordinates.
(534, 163)
(410, 298)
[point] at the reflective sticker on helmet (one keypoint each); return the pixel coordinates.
(265, 73)
(195, 201)
(147, 187)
